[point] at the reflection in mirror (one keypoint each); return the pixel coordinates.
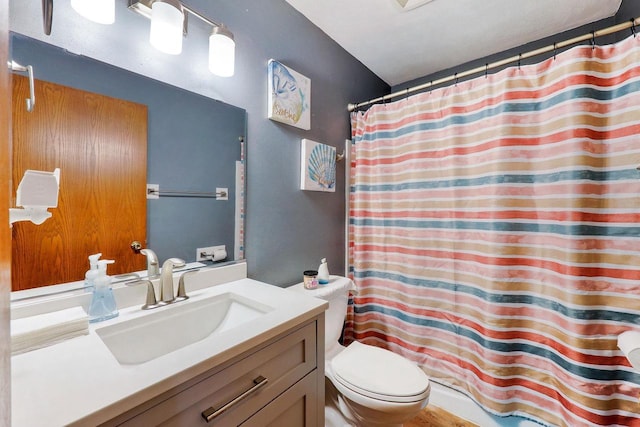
(194, 145)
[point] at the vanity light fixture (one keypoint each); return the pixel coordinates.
(167, 18)
(169, 24)
(100, 11)
(222, 49)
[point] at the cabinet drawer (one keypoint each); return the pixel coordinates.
(296, 407)
(282, 364)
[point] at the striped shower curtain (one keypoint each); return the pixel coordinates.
(495, 235)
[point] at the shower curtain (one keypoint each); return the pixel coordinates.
(495, 235)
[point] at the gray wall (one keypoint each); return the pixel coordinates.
(287, 230)
(629, 9)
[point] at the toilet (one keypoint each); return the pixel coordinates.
(365, 385)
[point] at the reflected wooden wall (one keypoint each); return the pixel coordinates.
(5, 235)
(100, 145)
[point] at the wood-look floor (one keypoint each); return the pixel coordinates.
(432, 416)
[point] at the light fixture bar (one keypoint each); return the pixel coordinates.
(221, 41)
(200, 16)
(143, 7)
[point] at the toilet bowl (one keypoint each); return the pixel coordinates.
(370, 386)
(377, 387)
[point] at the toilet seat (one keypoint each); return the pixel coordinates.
(380, 374)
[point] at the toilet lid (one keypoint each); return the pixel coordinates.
(380, 374)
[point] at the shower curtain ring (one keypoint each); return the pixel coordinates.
(593, 40)
(555, 50)
(486, 70)
(430, 87)
(519, 60)
(633, 27)
(455, 76)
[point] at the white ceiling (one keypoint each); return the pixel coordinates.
(400, 45)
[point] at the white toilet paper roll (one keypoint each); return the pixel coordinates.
(629, 343)
(219, 255)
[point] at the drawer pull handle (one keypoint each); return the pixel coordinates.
(211, 413)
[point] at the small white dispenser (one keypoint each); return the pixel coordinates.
(37, 192)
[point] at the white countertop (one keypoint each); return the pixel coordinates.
(80, 382)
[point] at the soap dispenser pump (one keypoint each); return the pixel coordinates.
(323, 272)
(103, 303)
(92, 273)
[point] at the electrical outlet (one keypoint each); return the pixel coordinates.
(205, 254)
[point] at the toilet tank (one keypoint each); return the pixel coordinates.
(336, 292)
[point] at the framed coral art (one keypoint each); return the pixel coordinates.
(318, 166)
(289, 96)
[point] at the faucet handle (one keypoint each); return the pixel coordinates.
(174, 262)
(179, 263)
(166, 279)
(182, 294)
(151, 301)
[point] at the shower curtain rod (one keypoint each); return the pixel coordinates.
(632, 23)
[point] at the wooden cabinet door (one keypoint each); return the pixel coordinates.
(100, 145)
(296, 407)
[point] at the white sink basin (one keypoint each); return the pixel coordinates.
(173, 327)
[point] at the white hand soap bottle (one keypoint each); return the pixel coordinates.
(103, 303)
(323, 272)
(92, 273)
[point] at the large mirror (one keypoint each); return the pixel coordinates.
(195, 146)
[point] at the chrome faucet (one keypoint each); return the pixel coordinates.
(166, 285)
(153, 267)
(166, 280)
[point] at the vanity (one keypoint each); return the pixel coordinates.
(237, 352)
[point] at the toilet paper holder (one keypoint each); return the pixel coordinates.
(217, 254)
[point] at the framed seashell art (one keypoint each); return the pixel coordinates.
(317, 166)
(289, 96)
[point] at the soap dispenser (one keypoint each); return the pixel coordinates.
(92, 273)
(103, 303)
(323, 272)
